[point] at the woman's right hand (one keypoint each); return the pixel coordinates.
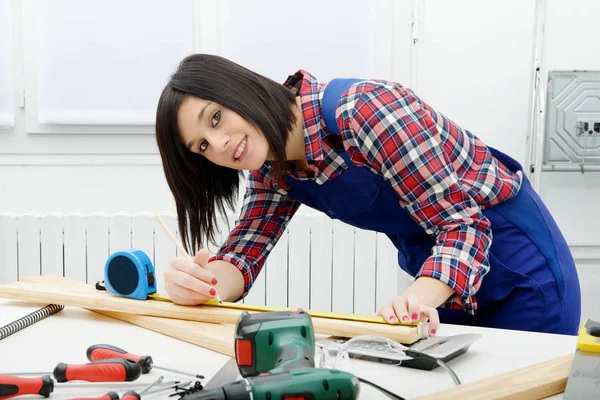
(187, 282)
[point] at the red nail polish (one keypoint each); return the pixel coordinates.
(405, 318)
(214, 281)
(213, 292)
(415, 316)
(433, 331)
(392, 318)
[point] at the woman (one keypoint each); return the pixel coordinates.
(467, 225)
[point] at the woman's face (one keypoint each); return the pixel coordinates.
(221, 135)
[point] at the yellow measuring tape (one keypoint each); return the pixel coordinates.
(321, 314)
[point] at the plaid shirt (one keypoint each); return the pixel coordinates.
(444, 177)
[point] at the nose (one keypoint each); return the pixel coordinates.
(218, 141)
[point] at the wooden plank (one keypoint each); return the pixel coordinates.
(321, 261)
(75, 248)
(51, 249)
(8, 249)
(61, 293)
(537, 381)
(216, 337)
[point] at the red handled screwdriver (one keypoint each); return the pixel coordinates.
(130, 395)
(105, 351)
(106, 370)
(12, 386)
(107, 396)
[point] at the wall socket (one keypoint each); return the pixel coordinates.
(588, 127)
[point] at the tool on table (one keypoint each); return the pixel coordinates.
(443, 348)
(107, 370)
(177, 243)
(106, 396)
(298, 384)
(29, 319)
(584, 379)
(98, 352)
(275, 342)
(279, 347)
(129, 273)
(12, 386)
(130, 395)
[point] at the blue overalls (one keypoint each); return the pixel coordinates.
(532, 283)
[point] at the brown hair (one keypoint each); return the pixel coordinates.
(200, 187)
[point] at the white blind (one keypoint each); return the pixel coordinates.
(329, 39)
(106, 62)
(6, 86)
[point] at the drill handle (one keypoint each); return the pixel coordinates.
(293, 357)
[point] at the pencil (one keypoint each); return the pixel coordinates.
(177, 243)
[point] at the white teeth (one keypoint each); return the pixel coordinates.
(240, 149)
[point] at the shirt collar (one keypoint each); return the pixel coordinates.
(310, 92)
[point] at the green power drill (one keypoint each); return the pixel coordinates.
(279, 347)
(298, 384)
(274, 342)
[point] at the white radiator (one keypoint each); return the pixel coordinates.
(318, 263)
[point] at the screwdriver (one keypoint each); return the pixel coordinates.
(105, 351)
(130, 395)
(12, 386)
(105, 370)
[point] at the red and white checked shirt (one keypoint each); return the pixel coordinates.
(444, 177)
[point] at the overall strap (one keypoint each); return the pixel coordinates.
(331, 99)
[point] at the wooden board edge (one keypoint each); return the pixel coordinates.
(536, 381)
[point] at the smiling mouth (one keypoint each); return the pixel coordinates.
(240, 149)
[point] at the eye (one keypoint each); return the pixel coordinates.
(216, 117)
(202, 146)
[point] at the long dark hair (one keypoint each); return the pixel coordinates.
(200, 187)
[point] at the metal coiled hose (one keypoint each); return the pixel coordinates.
(29, 319)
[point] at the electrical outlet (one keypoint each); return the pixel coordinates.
(588, 127)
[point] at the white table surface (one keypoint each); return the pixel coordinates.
(65, 336)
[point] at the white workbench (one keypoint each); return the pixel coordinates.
(65, 336)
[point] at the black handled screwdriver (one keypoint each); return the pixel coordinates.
(98, 352)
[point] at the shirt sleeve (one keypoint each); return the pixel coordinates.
(264, 216)
(397, 136)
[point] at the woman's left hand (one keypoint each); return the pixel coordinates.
(407, 308)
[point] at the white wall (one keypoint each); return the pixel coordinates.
(470, 59)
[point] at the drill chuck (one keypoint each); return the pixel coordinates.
(239, 390)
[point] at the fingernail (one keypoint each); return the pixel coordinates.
(392, 318)
(405, 318)
(213, 292)
(214, 281)
(415, 316)
(433, 331)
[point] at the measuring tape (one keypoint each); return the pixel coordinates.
(130, 273)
